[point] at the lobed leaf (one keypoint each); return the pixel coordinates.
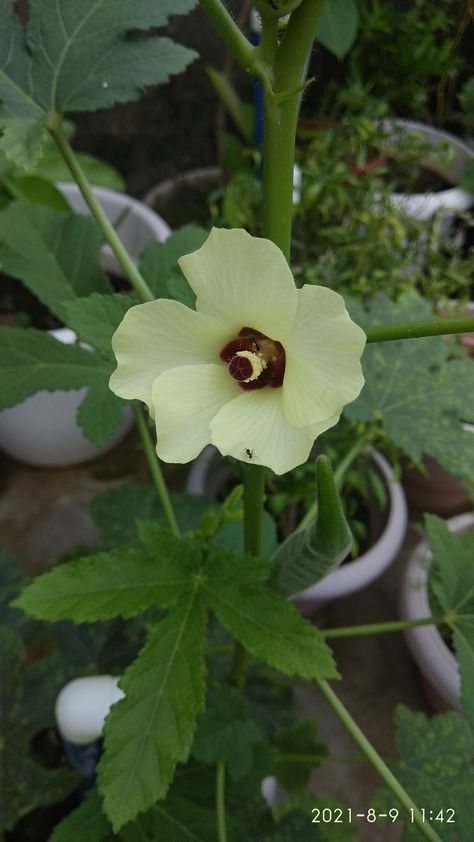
(149, 731)
(415, 391)
(124, 581)
(435, 767)
(270, 628)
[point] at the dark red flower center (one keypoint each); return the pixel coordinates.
(254, 360)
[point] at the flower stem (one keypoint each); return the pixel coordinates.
(280, 116)
(381, 767)
(110, 235)
(411, 330)
(378, 628)
(155, 470)
(220, 803)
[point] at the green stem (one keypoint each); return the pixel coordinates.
(110, 235)
(280, 117)
(411, 330)
(224, 24)
(381, 767)
(378, 628)
(220, 803)
(155, 470)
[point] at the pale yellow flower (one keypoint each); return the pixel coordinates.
(259, 369)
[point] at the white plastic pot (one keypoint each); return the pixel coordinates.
(357, 574)
(43, 430)
(433, 657)
(352, 576)
(424, 206)
(134, 222)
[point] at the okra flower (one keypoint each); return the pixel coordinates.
(259, 369)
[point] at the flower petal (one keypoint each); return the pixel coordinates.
(242, 281)
(159, 335)
(323, 370)
(185, 399)
(253, 428)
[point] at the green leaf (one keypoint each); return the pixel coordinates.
(298, 741)
(80, 55)
(226, 734)
(158, 263)
(337, 27)
(99, 413)
(467, 181)
(85, 822)
(268, 626)
(309, 554)
(151, 730)
(435, 767)
(26, 707)
(96, 318)
(124, 581)
(176, 819)
(31, 188)
(33, 361)
(52, 167)
(62, 261)
(23, 140)
(415, 391)
(117, 510)
(452, 580)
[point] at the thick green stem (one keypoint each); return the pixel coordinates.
(130, 270)
(281, 107)
(155, 470)
(379, 628)
(381, 767)
(411, 330)
(220, 803)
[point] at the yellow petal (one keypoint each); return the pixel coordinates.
(242, 281)
(323, 352)
(185, 399)
(253, 428)
(157, 336)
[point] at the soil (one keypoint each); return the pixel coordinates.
(20, 308)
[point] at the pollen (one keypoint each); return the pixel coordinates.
(246, 366)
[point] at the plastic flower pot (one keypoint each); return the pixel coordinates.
(433, 657)
(424, 206)
(208, 476)
(135, 223)
(43, 430)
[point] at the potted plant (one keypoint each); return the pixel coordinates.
(439, 653)
(46, 429)
(223, 348)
